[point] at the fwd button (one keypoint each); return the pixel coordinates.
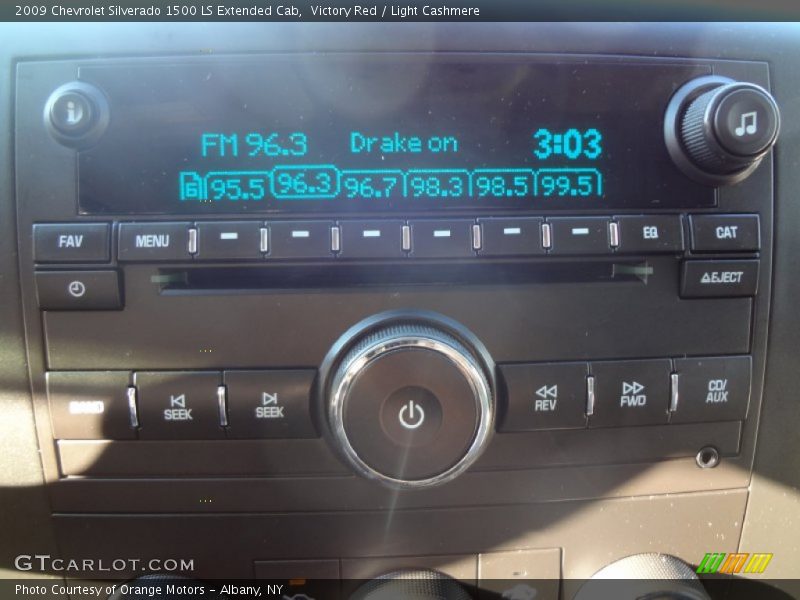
(630, 393)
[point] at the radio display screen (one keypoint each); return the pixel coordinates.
(340, 133)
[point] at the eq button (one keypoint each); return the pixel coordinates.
(650, 234)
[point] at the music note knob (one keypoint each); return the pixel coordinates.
(718, 130)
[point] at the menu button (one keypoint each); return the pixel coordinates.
(153, 241)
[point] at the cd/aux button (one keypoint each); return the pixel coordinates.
(712, 389)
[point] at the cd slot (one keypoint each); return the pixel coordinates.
(246, 278)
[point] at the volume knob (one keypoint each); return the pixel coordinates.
(410, 404)
(718, 130)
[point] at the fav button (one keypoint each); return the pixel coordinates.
(71, 242)
(178, 405)
(631, 393)
(712, 389)
(544, 396)
(719, 278)
(78, 290)
(725, 233)
(146, 242)
(270, 404)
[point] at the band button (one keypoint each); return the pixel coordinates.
(89, 405)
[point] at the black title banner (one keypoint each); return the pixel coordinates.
(407, 10)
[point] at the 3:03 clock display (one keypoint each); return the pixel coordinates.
(572, 144)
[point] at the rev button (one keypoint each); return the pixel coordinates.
(178, 405)
(546, 396)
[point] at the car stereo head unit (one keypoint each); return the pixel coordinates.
(425, 269)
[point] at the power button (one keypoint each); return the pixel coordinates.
(411, 416)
